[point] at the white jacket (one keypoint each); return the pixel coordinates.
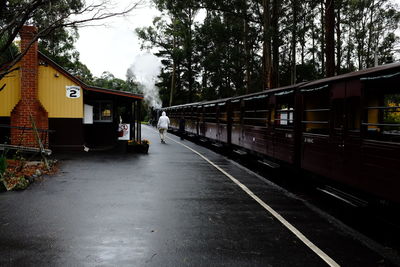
(163, 121)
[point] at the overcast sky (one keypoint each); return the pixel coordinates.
(114, 47)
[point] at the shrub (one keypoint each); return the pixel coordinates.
(3, 165)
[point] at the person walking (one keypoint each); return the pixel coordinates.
(162, 125)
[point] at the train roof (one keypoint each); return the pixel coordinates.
(363, 74)
(181, 106)
(380, 72)
(275, 91)
(216, 101)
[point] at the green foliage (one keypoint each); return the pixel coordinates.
(108, 80)
(59, 46)
(15, 183)
(224, 54)
(175, 40)
(21, 184)
(3, 165)
(10, 53)
(392, 115)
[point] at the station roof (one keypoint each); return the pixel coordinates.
(85, 86)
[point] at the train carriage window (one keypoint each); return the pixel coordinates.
(236, 111)
(210, 113)
(199, 111)
(316, 111)
(284, 111)
(192, 113)
(383, 115)
(256, 111)
(222, 113)
(353, 114)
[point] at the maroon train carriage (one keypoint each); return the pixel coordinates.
(187, 113)
(209, 121)
(264, 123)
(351, 130)
(191, 120)
(174, 114)
(344, 128)
(213, 121)
(250, 121)
(283, 131)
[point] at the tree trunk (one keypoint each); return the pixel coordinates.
(322, 39)
(293, 45)
(349, 50)
(171, 94)
(330, 37)
(313, 41)
(275, 44)
(189, 56)
(246, 49)
(370, 33)
(267, 45)
(338, 39)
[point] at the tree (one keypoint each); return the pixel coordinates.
(330, 37)
(108, 80)
(267, 44)
(50, 16)
(244, 46)
(174, 36)
(163, 36)
(59, 46)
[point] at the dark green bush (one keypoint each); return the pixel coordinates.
(3, 165)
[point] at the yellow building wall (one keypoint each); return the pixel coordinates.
(52, 94)
(11, 93)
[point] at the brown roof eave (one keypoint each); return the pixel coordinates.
(113, 92)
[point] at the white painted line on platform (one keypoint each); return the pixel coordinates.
(288, 225)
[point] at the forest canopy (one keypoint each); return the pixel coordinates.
(244, 46)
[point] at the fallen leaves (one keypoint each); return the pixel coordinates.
(20, 173)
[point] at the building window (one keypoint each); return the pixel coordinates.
(102, 111)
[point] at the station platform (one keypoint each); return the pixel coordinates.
(179, 205)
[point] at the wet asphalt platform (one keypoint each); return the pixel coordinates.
(170, 207)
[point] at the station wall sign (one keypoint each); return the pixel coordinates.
(73, 91)
(123, 131)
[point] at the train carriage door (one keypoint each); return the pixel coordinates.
(236, 122)
(337, 132)
(315, 143)
(210, 121)
(345, 130)
(284, 126)
(222, 122)
(200, 116)
(352, 138)
(192, 124)
(255, 123)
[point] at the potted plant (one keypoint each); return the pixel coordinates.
(138, 146)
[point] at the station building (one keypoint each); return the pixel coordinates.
(68, 114)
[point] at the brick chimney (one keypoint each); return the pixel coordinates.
(29, 104)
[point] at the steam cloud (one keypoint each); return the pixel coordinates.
(145, 69)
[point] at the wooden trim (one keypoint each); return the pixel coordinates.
(113, 92)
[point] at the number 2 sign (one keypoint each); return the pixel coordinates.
(73, 91)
